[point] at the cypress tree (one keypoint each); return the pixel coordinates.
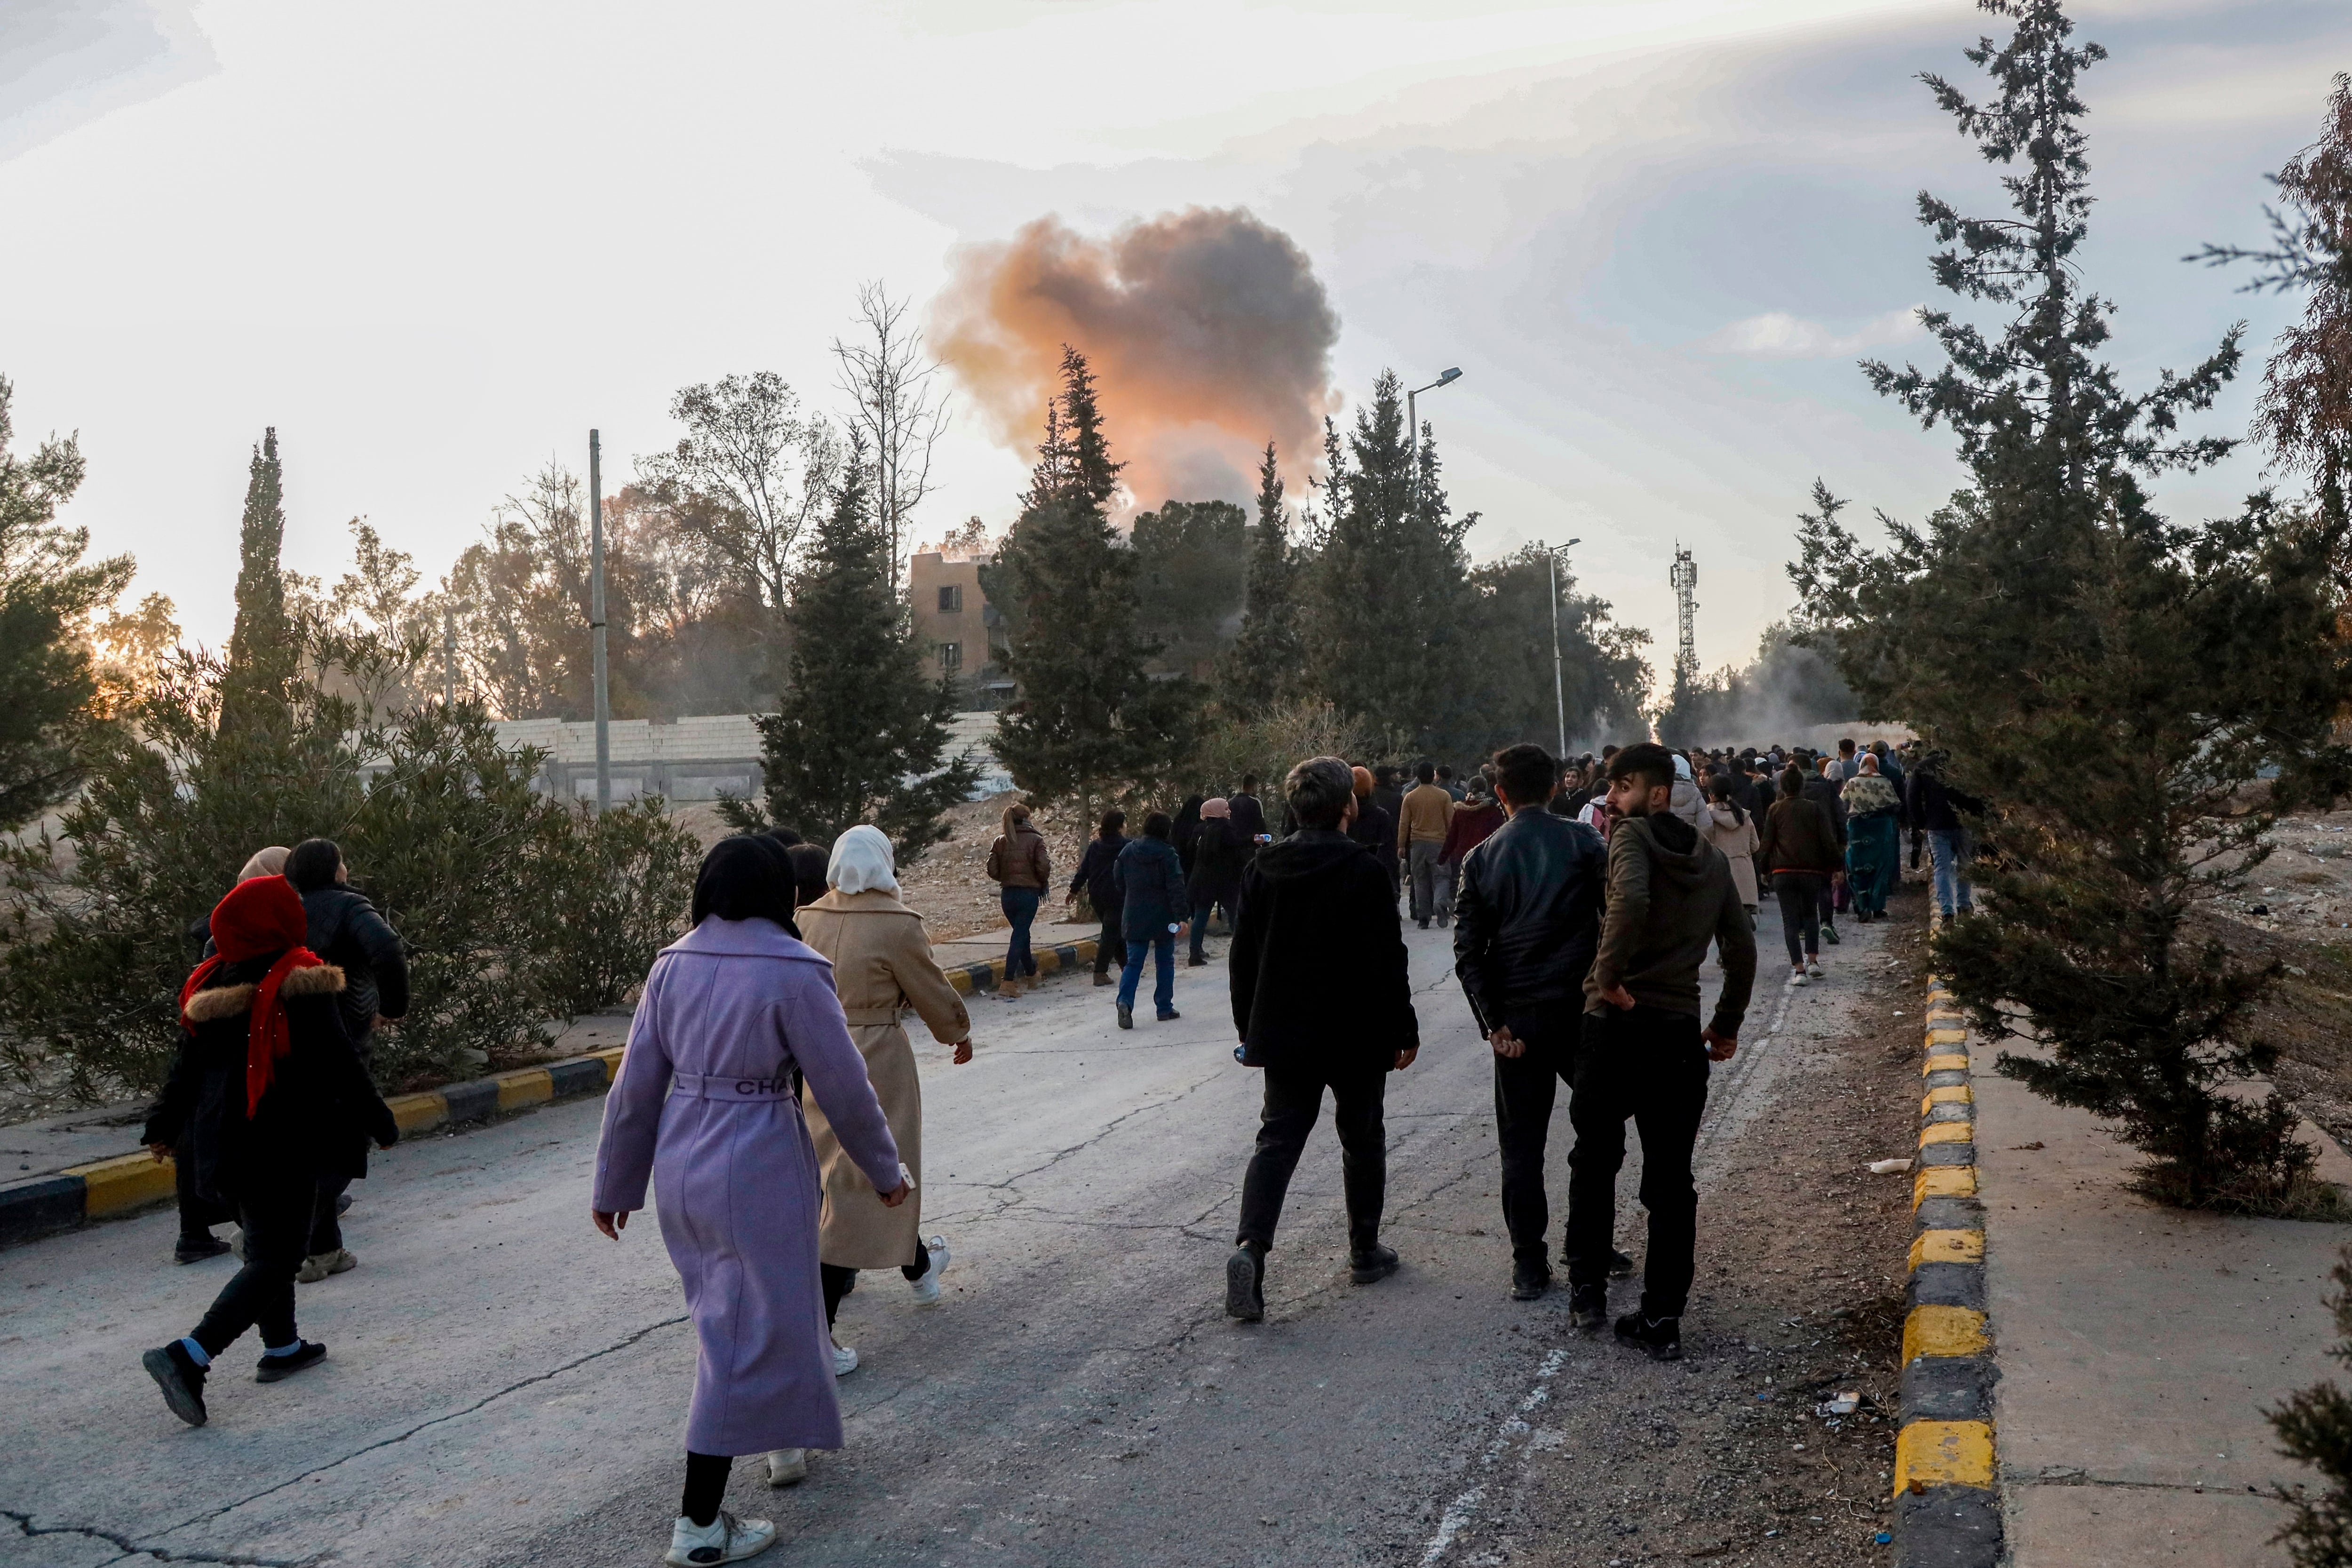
(1266, 663)
(1087, 718)
(2114, 685)
(861, 735)
(1389, 590)
(262, 659)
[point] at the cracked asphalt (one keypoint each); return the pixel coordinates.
(504, 1386)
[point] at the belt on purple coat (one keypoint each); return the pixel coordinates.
(713, 1085)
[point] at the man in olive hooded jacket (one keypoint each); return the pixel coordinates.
(1643, 1055)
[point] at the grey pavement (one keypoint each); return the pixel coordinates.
(2139, 1347)
(505, 1386)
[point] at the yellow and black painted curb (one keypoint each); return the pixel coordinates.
(971, 977)
(110, 1188)
(1946, 1497)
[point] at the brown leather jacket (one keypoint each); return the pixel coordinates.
(1023, 862)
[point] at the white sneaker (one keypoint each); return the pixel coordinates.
(1814, 969)
(1798, 978)
(927, 1289)
(788, 1467)
(844, 1360)
(724, 1540)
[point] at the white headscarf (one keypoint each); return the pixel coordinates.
(1682, 766)
(862, 862)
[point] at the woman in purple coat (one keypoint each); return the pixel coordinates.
(704, 1105)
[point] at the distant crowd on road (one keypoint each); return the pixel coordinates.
(770, 1090)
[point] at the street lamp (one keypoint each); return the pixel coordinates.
(1412, 422)
(1558, 685)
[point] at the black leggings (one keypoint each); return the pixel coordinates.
(838, 1282)
(1800, 893)
(706, 1485)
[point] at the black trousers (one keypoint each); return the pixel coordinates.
(1111, 948)
(837, 1282)
(276, 1219)
(198, 1213)
(1294, 1098)
(1800, 894)
(1525, 1088)
(1647, 1064)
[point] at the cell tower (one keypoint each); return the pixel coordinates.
(1685, 578)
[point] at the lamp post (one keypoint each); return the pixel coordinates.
(603, 710)
(1559, 683)
(1412, 422)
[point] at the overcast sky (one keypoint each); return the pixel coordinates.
(433, 243)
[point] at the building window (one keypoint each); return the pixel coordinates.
(951, 599)
(950, 654)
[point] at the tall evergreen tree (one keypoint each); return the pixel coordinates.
(1266, 664)
(262, 654)
(1389, 590)
(2113, 684)
(1087, 718)
(862, 736)
(47, 594)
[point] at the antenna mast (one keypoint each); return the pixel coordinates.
(1685, 579)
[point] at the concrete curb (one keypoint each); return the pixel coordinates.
(108, 1189)
(968, 978)
(1946, 1497)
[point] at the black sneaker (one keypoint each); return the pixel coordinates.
(271, 1368)
(1245, 1285)
(342, 1205)
(1126, 1017)
(1662, 1337)
(1369, 1265)
(1171, 1016)
(175, 1371)
(1196, 961)
(1589, 1305)
(1829, 933)
(1529, 1280)
(1620, 1266)
(196, 1249)
(1423, 924)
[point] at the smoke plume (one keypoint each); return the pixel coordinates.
(1208, 331)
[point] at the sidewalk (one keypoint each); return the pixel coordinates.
(2138, 1347)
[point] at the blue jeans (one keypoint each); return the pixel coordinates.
(1950, 849)
(1020, 907)
(1162, 945)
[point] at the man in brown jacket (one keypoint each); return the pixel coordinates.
(1644, 1053)
(1423, 818)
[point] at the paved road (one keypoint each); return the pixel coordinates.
(507, 1387)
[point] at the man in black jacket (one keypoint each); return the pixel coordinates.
(1249, 812)
(1322, 998)
(346, 930)
(1525, 925)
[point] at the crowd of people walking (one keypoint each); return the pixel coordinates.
(771, 1090)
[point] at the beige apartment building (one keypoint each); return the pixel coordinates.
(960, 633)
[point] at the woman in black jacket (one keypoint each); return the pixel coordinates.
(1219, 855)
(1093, 879)
(269, 1096)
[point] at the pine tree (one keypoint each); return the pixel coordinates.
(1266, 664)
(2113, 684)
(263, 653)
(862, 736)
(47, 592)
(1086, 718)
(1387, 593)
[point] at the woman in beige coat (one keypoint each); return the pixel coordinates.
(882, 964)
(1733, 831)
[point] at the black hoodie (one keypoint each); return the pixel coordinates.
(1318, 960)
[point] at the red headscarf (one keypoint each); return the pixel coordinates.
(261, 915)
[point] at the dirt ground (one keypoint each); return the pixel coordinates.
(1731, 1457)
(948, 887)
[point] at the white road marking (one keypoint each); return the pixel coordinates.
(1459, 1511)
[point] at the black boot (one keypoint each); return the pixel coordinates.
(1589, 1305)
(1530, 1278)
(1620, 1266)
(1368, 1264)
(1662, 1337)
(175, 1371)
(196, 1249)
(1245, 1283)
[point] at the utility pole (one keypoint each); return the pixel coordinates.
(1559, 680)
(448, 655)
(596, 621)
